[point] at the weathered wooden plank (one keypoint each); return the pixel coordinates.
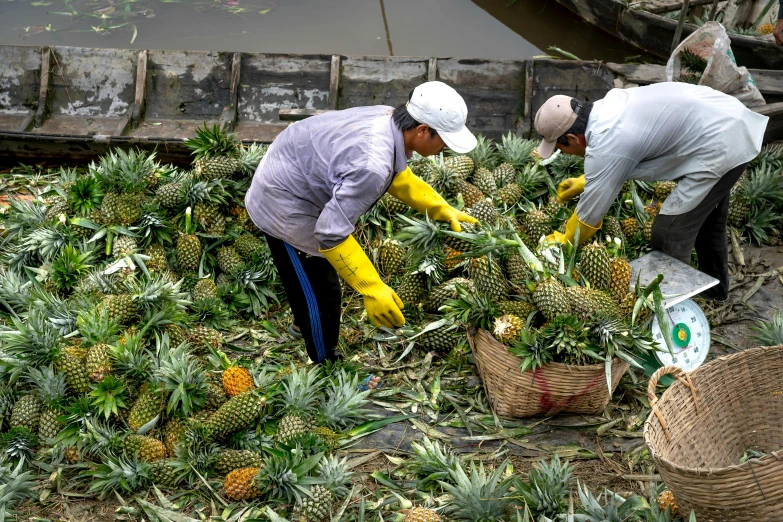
(20, 79)
(587, 81)
(377, 80)
(432, 70)
(334, 82)
(43, 98)
(768, 82)
(299, 114)
(771, 109)
(526, 128)
(665, 6)
(229, 117)
(140, 96)
(270, 82)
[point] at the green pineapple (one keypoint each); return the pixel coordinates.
(209, 218)
(392, 256)
(739, 211)
(551, 298)
(663, 189)
(98, 363)
(462, 165)
(446, 291)
(228, 460)
(188, 247)
(594, 265)
(647, 229)
(553, 207)
(582, 303)
(393, 205)
(228, 259)
(470, 193)
(517, 268)
(611, 227)
(445, 178)
(26, 412)
(236, 414)
(413, 288)
(157, 257)
(204, 289)
(485, 181)
(537, 224)
(163, 473)
(149, 403)
(173, 434)
(440, 340)
(504, 174)
(317, 505)
(247, 245)
(124, 246)
(216, 152)
(121, 307)
(488, 277)
(606, 303)
(485, 212)
(71, 362)
(122, 175)
(299, 398)
(202, 338)
(143, 447)
(51, 389)
(510, 194)
(171, 194)
(56, 207)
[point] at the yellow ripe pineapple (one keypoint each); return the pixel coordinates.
(666, 501)
(71, 363)
(621, 277)
(147, 449)
(629, 226)
(236, 380)
(765, 29)
(451, 259)
(421, 514)
(507, 328)
(240, 484)
(228, 460)
(98, 364)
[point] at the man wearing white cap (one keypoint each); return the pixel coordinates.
(321, 174)
(668, 131)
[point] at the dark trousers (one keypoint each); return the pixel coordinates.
(312, 287)
(704, 227)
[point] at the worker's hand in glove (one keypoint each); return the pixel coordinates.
(574, 223)
(414, 192)
(570, 188)
(383, 305)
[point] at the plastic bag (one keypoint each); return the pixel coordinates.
(711, 41)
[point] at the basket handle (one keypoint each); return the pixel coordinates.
(681, 376)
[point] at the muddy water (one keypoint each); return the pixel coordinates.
(460, 28)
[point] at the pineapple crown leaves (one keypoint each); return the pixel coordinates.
(471, 308)
(764, 186)
(15, 484)
(182, 378)
(69, 268)
(108, 396)
(547, 488)
(301, 390)
(484, 154)
(212, 192)
(443, 177)
(422, 236)
(431, 462)
(533, 180)
(154, 226)
(343, 405)
(334, 473)
(85, 195)
(22, 217)
(14, 291)
(121, 171)
(516, 151)
(286, 475)
(49, 385)
(250, 157)
(608, 507)
(158, 293)
(692, 62)
(212, 312)
(211, 142)
(533, 351)
(34, 340)
(95, 326)
(195, 454)
(18, 443)
(76, 420)
(46, 242)
(118, 473)
(769, 333)
(478, 496)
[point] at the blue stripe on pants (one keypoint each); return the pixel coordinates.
(312, 304)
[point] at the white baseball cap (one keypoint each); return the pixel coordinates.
(440, 107)
(553, 119)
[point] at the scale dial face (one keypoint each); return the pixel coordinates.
(690, 334)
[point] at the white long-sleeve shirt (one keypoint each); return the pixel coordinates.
(666, 131)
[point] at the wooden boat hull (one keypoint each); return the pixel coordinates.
(72, 104)
(654, 33)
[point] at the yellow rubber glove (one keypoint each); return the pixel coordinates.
(585, 231)
(383, 305)
(570, 188)
(417, 194)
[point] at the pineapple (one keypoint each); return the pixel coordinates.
(485, 181)
(666, 501)
(620, 280)
(448, 290)
(188, 247)
(457, 243)
(739, 211)
(163, 473)
(504, 174)
(56, 207)
(451, 259)
(124, 246)
(483, 154)
(606, 303)
(250, 157)
(228, 260)
(488, 277)
(217, 152)
(441, 340)
(551, 298)
(510, 194)
(629, 226)
(157, 257)
(765, 29)
(392, 256)
(236, 380)
(26, 413)
(148, 404)
(647, 229)
(236, 414)
(594, 265)
(537, 224)
(470, 193)
(547, 488)
(170, 195)
(209, 218)
(216, 396)
(517, 268)
(228, 460)
(394, 205)
(121, 307)
(204, 289)
(663, 189)
(553, 207)
(611, 227)
(173, 433)
(240, 484)
(519, 309)
(146, 449)
(98, 364)
(413, 288)
(316, 506)
(71, 363)
(583, 304)
(299, 396)
(421, 514)
(248, 245)
(515, 151)
(122, 175)
(485, 212)
(507, 328)
(462, 165)
(203, 337)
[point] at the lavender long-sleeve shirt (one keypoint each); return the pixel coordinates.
(321, 174)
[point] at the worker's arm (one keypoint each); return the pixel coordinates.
(604, 178)
(414, 192)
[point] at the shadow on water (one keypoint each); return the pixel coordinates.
(460, 28)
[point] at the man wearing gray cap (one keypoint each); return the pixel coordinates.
(668, 131)
(321, 174)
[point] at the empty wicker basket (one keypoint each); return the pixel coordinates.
(552, 389)
(702, 425)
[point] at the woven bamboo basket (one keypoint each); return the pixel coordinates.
(549, 390)
(701, 426)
